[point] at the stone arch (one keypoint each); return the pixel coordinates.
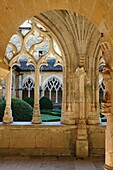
(52, 88)
(28, 76)
(28, 87)
(47, 79)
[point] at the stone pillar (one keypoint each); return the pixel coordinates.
(82, 137)
(107, 108)
(107, 104)
(109, 143)
(20, 86)
(36, 115)
(28, 92)
(8, 112)
(93, 91)
(56, 96)
(50, 94)
(68, 115)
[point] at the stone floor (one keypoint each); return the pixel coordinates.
(50, 163)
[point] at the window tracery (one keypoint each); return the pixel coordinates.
(29, 40)
(53, 90)
(29, 86)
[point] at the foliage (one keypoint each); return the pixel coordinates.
(2, 108)
(45, 103)
(29, 100)
(21, 111)
(1, 100)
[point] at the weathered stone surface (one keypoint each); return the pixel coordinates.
(22, 143)
(4, 143)
(51, 140)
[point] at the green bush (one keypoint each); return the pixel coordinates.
(21, 111)
(45, 103)
(2, 108)
(29, 100)
(1, 100)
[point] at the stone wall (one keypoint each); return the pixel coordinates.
(96, 135)
(47, 139)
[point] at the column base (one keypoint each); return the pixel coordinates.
(67, 121)
(82, 148)
(7, 116)
(82, 140)
(7, 119)
(36, 120)
(94, 119)
(106, 167)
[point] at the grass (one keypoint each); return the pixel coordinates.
(49, 118)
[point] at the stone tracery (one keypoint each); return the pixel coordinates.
(53, 85)
(27, 45)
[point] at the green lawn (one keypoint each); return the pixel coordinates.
(49, 118)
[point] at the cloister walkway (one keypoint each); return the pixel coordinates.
(50, 163)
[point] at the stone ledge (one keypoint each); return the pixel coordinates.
(29, 124)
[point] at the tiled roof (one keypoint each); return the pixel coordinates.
(50, 67)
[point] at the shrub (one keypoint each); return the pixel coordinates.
(29, 100)
(1, 100)
(45, 103)
(21, 111)
(51, 112)
(2, 108)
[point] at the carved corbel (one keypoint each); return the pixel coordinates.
(106, 103)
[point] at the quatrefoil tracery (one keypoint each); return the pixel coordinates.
(29, 43)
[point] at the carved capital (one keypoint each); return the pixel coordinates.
(106, 73)
(106, 52)
(80, 71)
(106, 109)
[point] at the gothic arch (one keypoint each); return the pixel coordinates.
(52, 88)
(50, 77)
(27, 77)
(28, 87)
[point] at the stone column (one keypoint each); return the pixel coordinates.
(56, 96)
(68, 115)
(8, 112)
(94, 112)
(82, 137)
(109, 143)
(28, 92)
(20, 86)
(36, 115)
(107, 110)
(50, 94)
(107, 104)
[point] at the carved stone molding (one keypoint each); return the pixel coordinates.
(106, 103)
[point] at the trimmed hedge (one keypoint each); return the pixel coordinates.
(45, 103)
(51, 112)
(1, 100)
(29, 100)
(21, 111)
(2, 108)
